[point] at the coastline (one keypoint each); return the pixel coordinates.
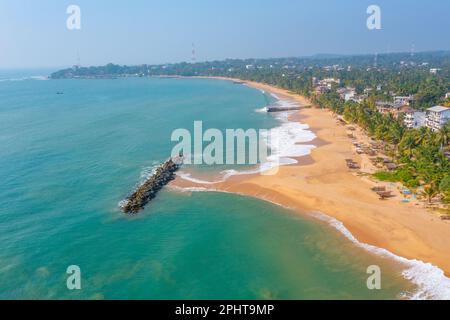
(328, 187)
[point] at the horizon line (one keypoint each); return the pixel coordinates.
(315, 55)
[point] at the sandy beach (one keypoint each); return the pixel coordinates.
(322, 183)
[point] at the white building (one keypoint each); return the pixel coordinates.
(346, 93)
(434, 70)
(328, 82)
(447, 95)
(322, 86)
(385, 107)
(349, 95)
(414, 119)
(358, 99)
(436, 117)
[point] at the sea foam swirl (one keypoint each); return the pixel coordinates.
(430, 280)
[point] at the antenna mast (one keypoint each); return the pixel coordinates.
(194, 57)
(78, 64)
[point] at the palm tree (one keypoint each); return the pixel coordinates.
(430, 192)
(420, 138)
(395, 135)
(443, 136)
(408, 143)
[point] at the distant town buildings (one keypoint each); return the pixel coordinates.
(434, 70)
(334, 67)
(385, 107)
(358, 98)
(399, 105)
(328, 82)
(402, 100)
(346, 93)
(367, 90)
(436, 117)
(325, 85)
(319, 90)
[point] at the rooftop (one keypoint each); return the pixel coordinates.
(438, 109)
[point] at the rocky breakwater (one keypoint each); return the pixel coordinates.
(148, 190)
(281, 109)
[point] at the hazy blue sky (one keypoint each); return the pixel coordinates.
(33, 33)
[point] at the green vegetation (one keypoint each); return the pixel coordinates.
(444, 187)
(419, 152)
(404, 176)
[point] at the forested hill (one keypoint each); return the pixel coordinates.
(398, 73)
(235, 67)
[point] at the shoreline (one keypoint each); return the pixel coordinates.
(320, 185)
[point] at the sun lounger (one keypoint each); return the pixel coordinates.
(385, 194)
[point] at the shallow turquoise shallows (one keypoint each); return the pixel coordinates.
(67, 160)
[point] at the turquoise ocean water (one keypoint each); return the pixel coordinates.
(67, 160)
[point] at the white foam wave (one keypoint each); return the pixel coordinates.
(275, 96)
(192, 189)
(224, 176)
(430, 280)
(262, 110)
(285, 143)
(146, 173)
(285, 103)
(188, 177)
(39, 78)
(122, 203)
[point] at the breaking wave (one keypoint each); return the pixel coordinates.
(429, 279)
(285, 142)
